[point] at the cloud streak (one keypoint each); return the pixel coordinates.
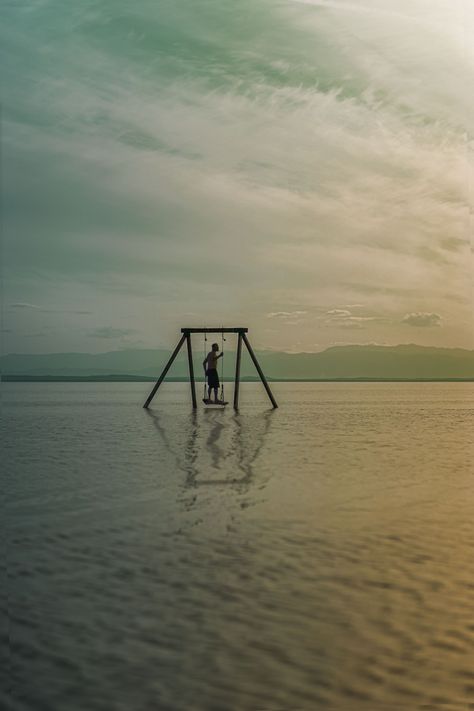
(21, 305)
(109, 332)
(422, 320)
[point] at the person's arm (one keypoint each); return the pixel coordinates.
(204, 363)
(220, 355)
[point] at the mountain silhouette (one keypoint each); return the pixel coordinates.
(353, 361)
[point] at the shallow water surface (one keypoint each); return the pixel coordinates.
(318, 556)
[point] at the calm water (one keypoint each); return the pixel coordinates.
(319, 556)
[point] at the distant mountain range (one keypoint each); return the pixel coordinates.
(403, 362)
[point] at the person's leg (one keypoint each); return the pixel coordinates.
(216, 394)
(209, 392)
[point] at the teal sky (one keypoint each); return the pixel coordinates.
(302, 168)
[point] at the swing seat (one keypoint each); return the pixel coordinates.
(213, 403)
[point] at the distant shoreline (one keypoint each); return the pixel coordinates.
(402, 363)
(146, 379)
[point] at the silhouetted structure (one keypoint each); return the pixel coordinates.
(186, 336)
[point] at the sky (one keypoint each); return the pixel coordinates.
(300, 167)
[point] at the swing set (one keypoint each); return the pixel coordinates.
(242, 338)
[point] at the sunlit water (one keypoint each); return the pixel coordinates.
(319, 556)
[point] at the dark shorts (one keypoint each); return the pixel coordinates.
(212, 378)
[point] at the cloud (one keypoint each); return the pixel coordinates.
(270, 156)
(20, 305)
(338, 313)
(343, 318)
(110, 332)
(34, 307)
(422, 319)
(349, 325)
(286, 314)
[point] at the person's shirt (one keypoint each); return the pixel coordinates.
(212, 357)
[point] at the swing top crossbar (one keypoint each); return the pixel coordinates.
(214, 330)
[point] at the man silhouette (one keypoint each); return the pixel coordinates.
(210, 369)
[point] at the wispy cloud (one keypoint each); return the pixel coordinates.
(35, 307)
(338, 313)
(344, 318)
(286, 314)
(423, 320)
(20, 305)
(108, 332)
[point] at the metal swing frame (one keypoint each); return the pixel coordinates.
(186, 336)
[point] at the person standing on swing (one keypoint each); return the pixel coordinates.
(210, 368)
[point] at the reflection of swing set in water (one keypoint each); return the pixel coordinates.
(186, 336)
(247, 437)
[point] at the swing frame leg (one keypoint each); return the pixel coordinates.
(165, 370)
(191, 370)
(237, 372)
(259, 371)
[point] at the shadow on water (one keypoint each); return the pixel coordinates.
(212, 443)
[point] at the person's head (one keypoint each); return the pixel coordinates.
(215, 347)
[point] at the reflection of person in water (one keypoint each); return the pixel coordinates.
(210, 368)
